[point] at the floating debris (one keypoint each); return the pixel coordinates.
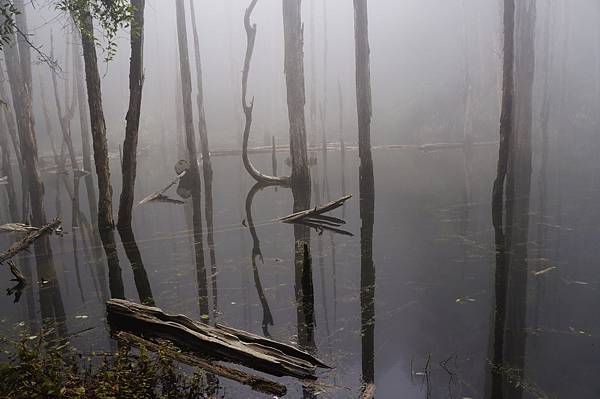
(464, 300)
(544, 271)
(3, 180)
(17, 228)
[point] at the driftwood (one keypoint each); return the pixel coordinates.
(159, 196)
(217, 343)
(26, 241)
(255, 382)
(314, 217)
(19, 277)
(17, 228)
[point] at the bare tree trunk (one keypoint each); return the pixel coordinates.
(363, 89)
(251, 37)
(65, 125)
(136, 82)
(84, 126)
(22, 104)
(105, 216)
(6, 171)
(294, 77)
(186, 86)
(10, 121)
(506, 114)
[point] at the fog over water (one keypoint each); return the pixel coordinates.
(432, 290)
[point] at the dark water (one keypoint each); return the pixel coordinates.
(424, 329)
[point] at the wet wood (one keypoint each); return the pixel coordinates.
(217, 343)
(29, 239)
(255, 382)
(316, 212)
(19, 277)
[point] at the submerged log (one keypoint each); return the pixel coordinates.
(216, 343)
(255, 382)
(26, 241)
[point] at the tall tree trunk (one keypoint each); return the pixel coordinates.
(136, 82)
(294, 77)
(186, 89)
(206, 164)
(363, 89)
(84, 127)
(65, 125)
(506, 113)
(105, 216)
(6, 171)
(10, 121)
(22, 104)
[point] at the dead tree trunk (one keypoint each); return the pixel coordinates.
(6, 171)
(10, 121)
(251, 37)
(22, 104)
(136, 82)
(294, 77)
(363, 89)
(65, 125)
(206, 164)
(105, 216)
(186, 86)
(84, 126)
(506, 113)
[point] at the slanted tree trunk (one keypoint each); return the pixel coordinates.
(186, 89)
(136, 82)
(105, 216)
(294, 77)
(84, 127)
(363, 89)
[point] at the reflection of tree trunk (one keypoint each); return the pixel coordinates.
(186, 86)
(256, 253)
(136, 83)
(105, 217)
(139, 272)
(294, 76)
(51, 303)
(115, 279)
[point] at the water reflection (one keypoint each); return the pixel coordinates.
(257, 253)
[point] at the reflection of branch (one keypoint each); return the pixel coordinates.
(256, 252)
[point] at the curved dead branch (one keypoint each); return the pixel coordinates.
(255, 173)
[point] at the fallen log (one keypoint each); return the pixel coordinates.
(26, 241)
(255, 382)
(315, 212)
(215, 343)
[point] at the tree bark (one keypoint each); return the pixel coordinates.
(363, 89)
(6, 171)
(22, 105)
(186, 89)
(294, 77)
(84, 127)
(105, 216)
(136, 82)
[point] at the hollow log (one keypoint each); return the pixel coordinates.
(216, 343)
